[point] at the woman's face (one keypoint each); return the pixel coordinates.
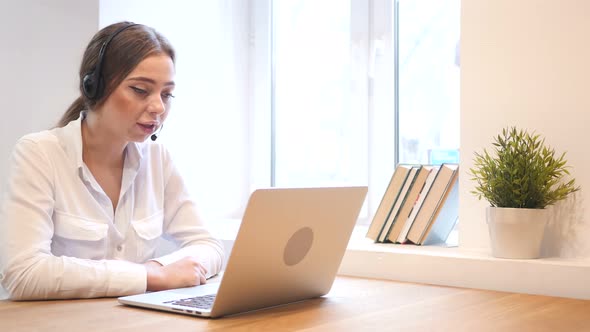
(140, 104)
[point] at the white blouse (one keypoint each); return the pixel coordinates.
(61, 238)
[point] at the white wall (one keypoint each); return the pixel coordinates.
(42, 46)
(527, 63)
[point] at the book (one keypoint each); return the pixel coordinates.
(391, 193)
(407, 224)
(408, 203)
(398, 202)
(441, 185)
(445, 218)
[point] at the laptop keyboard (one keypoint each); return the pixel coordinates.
(202, 302)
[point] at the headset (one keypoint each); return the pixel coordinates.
(93, 83)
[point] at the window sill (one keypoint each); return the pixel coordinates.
(452, 266)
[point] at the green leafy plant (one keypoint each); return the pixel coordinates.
(521, 173)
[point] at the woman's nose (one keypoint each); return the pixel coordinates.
(157, 105)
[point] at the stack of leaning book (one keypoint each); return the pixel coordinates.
(420, 205)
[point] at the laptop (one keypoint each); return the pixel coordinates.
(289, 248)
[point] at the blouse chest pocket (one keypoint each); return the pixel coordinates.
(147, 231)
(149, 228)
(75, 228)
(78, 237)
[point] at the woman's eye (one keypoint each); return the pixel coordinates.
(167, 96)
(139, 91)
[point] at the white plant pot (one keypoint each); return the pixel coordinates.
(516, 233)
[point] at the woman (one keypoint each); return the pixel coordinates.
(87, 201)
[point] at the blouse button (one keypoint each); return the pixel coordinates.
(119, 247)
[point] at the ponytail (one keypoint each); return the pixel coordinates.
(73, 112)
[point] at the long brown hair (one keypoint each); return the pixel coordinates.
(123, 54)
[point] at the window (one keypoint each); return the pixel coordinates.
(428, 80)
(357, 86)
(320, 126)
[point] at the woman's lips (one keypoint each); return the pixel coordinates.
(147, 128)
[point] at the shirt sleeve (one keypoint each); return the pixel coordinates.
(28, 269)
(183, 223)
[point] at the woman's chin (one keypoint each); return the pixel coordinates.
(138, 138)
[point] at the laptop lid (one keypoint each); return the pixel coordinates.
(289, 247)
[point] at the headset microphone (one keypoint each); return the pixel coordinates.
(155, 135)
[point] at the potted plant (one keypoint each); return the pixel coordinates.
(520, 178)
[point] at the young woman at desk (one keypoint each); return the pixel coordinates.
(87, 201)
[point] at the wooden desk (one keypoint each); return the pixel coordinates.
(352, 305)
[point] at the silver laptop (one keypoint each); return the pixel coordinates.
(289, 248)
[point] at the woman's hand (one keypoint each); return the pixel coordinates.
(183, 273)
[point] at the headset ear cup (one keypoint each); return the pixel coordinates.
(89, 86)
